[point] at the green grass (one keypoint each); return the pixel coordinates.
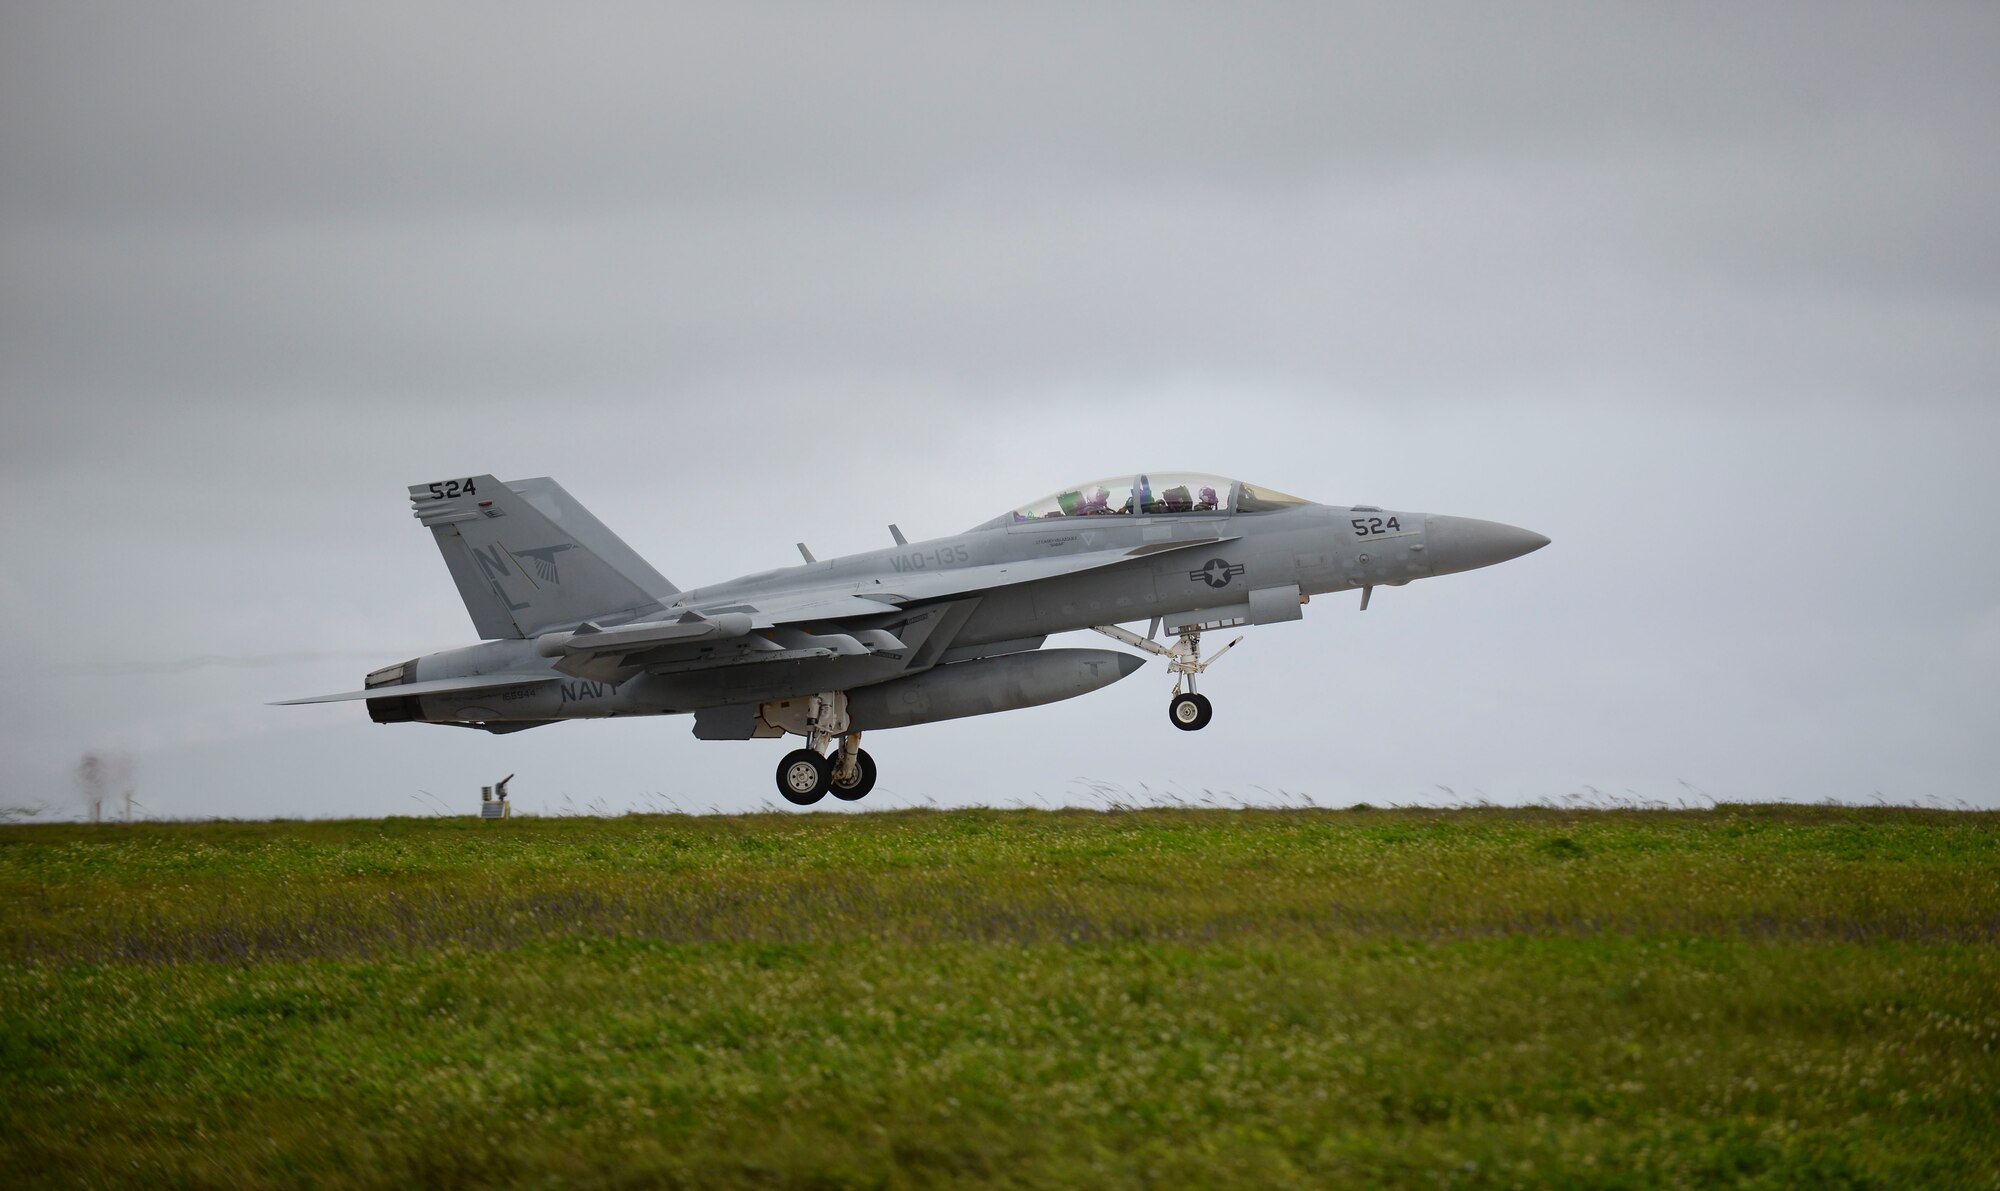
(1761, 996)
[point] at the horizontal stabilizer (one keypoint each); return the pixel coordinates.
(436, 686)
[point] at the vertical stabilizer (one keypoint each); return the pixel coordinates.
(528, 558)
(559, 506)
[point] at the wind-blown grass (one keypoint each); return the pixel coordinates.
(1764, 995)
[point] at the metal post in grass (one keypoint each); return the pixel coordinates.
(493, 802)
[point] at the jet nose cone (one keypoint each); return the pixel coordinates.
(1464, 543)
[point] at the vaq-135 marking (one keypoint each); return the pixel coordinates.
(578, 626)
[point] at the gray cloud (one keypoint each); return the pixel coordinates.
(1708, 295)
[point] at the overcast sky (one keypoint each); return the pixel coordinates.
(1709, 294)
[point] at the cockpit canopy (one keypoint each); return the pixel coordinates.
(1150, 493)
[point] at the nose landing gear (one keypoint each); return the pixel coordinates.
(1188, 711)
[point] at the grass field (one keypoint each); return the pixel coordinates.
(1764, 996)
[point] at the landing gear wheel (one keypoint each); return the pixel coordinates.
(803, 777)
(1190, 713)
(864, 779)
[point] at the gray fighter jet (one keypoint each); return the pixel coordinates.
(578, 626)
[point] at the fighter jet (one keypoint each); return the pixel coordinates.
(578, 626)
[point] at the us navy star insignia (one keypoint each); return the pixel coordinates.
(1217, 572)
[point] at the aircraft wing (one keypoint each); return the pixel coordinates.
(786, 626)
(917, 586)
(798, 607)
(710, 627)
(893, 593)
(736, 632)
(875, 597)
(435, 686)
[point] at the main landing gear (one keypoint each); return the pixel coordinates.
(832, 761)
(805, 777)
(1187, 710)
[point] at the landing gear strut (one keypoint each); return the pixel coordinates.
(809, 774)
(1187, 710)
(853, 770)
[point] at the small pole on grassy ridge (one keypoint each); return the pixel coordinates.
(92, 774)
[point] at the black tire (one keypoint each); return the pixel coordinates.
(799, 766)
(1190, 713)
(864, 780)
